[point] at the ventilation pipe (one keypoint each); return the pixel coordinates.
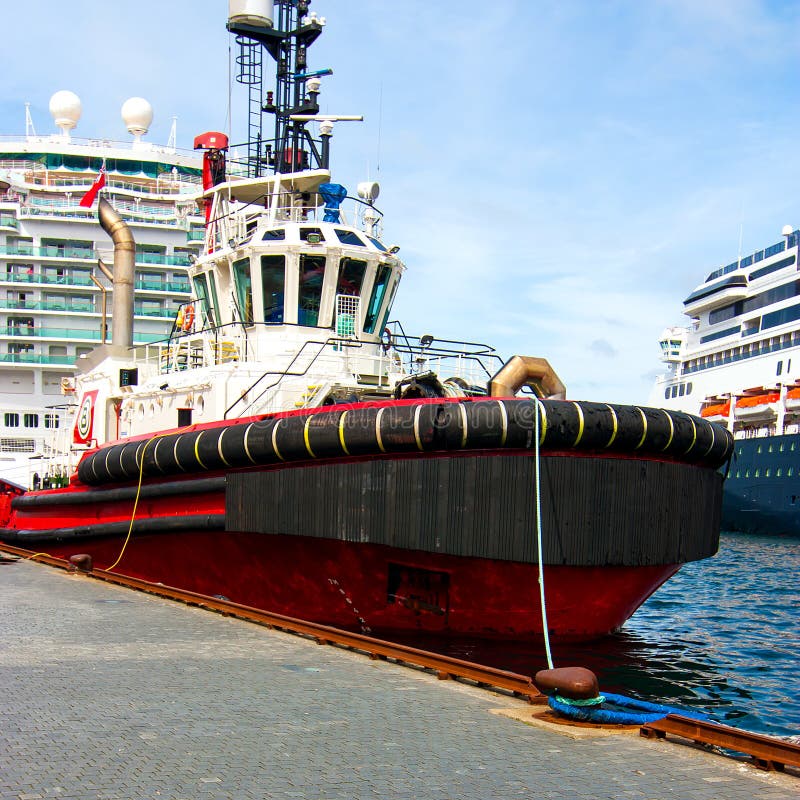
(521, 371)
(124, 259)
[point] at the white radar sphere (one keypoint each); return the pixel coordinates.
(65, 106)
(137, 114)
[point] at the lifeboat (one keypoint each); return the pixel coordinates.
(717, 412)
(793, 399)
(757, 407)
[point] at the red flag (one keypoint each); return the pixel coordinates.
(87, 201)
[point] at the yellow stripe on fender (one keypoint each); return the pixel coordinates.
(305, 437)
(694, 437)
(644, 428)
(378, 430)
(580, 424)
(614, 423)
(671, 430)
(341, 432)
(275, 440)
(197, 451)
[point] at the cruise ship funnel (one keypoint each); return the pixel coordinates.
(124, 258)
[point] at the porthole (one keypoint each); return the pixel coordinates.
(768, 472)
(200, 404)
(140, 410)
(757, 473)
(778, 472)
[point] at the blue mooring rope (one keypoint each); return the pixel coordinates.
(624, 710)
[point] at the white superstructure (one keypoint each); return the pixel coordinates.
(738, 362)
(55, 300)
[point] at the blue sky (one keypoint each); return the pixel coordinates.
(559, 175)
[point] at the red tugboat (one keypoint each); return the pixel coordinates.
(291, 449)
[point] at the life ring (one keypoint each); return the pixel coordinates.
(188, 318)
(386, 340)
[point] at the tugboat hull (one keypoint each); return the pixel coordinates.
(430, 539)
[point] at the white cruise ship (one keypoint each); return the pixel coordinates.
(55, 293)
(738, 363)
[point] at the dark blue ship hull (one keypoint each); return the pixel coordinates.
(762, 492)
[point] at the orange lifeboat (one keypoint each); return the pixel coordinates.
(793, 399)
(716, 412)
(757, 406)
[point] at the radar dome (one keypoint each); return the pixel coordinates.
(65, 107)
(137, 114)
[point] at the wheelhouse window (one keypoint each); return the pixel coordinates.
(201, 292)
(349, 237)
(273, 281)
(312, 235)
(312, 273)
(351, 276)
(378, 291)
(277, 235)
(244, 289)
(377, 244)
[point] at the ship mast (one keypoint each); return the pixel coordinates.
(285, 34)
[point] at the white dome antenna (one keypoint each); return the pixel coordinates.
(65, 106)
(369, 191)
(788, 230)
(137, 114)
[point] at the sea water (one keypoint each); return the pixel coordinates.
(722, 636)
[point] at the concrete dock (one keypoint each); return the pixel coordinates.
(110, 694)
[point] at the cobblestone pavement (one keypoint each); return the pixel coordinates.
(110, 694)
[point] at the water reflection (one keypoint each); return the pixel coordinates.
(721, 636)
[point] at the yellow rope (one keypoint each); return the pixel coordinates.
(138, 492)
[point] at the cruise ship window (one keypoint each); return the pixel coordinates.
(11, 420)
(30, 420)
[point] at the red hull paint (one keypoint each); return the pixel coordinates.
(349, 585)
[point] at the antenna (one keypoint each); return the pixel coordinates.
(29, 129)
(285, 31)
